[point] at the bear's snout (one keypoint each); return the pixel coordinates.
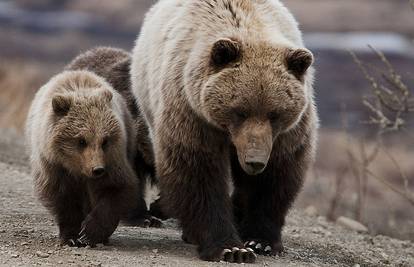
(253, 141)
(255, 161)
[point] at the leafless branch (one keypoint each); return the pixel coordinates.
(390, 101)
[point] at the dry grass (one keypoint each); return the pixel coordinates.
(334, 190)
(18, 84)
(371, 176)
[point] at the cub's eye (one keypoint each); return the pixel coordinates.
(82, 143)
(105, 143)
(273, 117)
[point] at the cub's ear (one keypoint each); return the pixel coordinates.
(298, 61)
(107, 95)
(225, 51)
(61, 104)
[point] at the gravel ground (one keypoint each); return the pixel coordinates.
(29, 237)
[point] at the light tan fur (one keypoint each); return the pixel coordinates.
(226, 89)
(79, 125)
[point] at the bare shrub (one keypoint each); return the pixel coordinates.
(390, 103)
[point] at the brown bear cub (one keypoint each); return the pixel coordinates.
(226, 89)
(82, 143)
(113, 64)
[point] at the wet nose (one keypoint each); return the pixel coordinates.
(256, 166)
(98, 171)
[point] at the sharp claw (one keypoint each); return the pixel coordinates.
(252, 243)
(258, 246)
(83, 240)
(82, 232)
(235, 249)
(268, 249)
(249, 250)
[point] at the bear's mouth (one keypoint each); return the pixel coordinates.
(254, 161)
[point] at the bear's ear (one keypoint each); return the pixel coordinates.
(61, 104)
(225, 51)
(107, 95)
(298, 61)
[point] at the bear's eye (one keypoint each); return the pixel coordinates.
(240, 115)
(273, 117)
(82, 143)
(105, 143)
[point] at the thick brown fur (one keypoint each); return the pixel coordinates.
(80, 134)
(113, 64)
(226, 88)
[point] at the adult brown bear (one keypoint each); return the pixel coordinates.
(226, 88)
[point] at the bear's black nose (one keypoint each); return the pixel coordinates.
(98, 171)
(256, 165)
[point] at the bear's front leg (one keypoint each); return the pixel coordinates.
(194, 185)
(261, 202)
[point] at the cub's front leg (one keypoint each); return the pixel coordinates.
(100, 223)
(63, 196)
(111, 201)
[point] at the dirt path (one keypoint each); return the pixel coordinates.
(28, 235)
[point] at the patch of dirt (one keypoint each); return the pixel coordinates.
(29, 236)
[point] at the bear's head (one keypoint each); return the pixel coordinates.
(88, 135)
(255, 92)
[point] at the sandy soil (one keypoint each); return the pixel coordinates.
(29, 237)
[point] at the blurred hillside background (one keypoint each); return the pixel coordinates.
(37, 38)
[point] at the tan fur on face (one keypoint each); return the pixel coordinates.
(95, 113)
(253, 141)
(96, 124)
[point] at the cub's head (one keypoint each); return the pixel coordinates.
(87, 133)
(255, 92)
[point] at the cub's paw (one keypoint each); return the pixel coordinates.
(71, 242)
(92, 233)
(262, 247)
(233, 255)
(75, 243)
